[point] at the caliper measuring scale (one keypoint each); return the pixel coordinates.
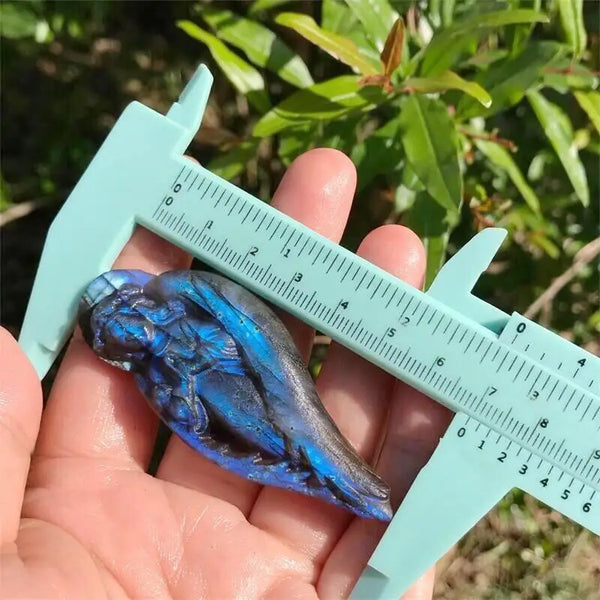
(526, 401)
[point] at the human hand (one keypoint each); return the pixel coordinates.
(92, 523)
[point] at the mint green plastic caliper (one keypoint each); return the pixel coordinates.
(526, 401)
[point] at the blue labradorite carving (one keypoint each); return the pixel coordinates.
(221, 370)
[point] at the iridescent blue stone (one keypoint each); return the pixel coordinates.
(221, 370)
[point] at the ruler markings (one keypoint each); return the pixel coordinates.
(579, 405)
(486, 352)
(247, 214)
(287, 243)
(275, 230)
(400, 299)
(177, 178)
(438, 324)
(192, 182)
(375, 290)
(346, 272)
(346, 326)
(532, 387)
(416, 308)
(502, 361)
(331, 265)
(519, 371)
(406, 356)
(407, 305)
(317, 256)
(422, 315)
(205, 192)
(569, 400)
(455, 332)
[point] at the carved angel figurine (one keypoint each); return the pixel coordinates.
(221, 370)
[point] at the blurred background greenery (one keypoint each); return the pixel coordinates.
(459, 114)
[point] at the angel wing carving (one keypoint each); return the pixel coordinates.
(221, 370)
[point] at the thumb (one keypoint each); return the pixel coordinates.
(20, 413)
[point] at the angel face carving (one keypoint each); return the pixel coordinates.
(221, 370)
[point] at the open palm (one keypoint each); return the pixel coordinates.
(83, 519)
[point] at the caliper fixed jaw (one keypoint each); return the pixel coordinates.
(134, 164)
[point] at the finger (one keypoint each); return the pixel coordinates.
(356, 394)
(316, 190)
(350, 556)
(415, 426)
(94, 409)
(20, 412)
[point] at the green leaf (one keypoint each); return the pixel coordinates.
(5, 194)
(590, 102)
(244, 77)
(544, 243)
(294, 142)
(429, 221)
(337, 17)
(507, 80)
(571, 19)
(559, 131)
(441, 52)
(516, 36)
(482, 60)
(441, 12)
(337, 133)
(259, 44)
(500, 157)
(338, 46)
(431, 146)
(565, 76)
(376, 16)
(326, 100)
(380, 153)
(259, 5)
(17, 20)
(231, 163)
(448, 81)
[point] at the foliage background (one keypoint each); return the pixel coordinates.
(529, 163)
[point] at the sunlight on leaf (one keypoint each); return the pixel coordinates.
(259, 44)
(590, 102)
(448, 81)
(232, 162)
(500, 157)
(441, 53)
(377, 18)
(326, 100)
(431, 146)
(571, 18)
(244, 77)
(259, 5)
(380, 153)
(558, 129)
(338, 46)
(507, 80)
